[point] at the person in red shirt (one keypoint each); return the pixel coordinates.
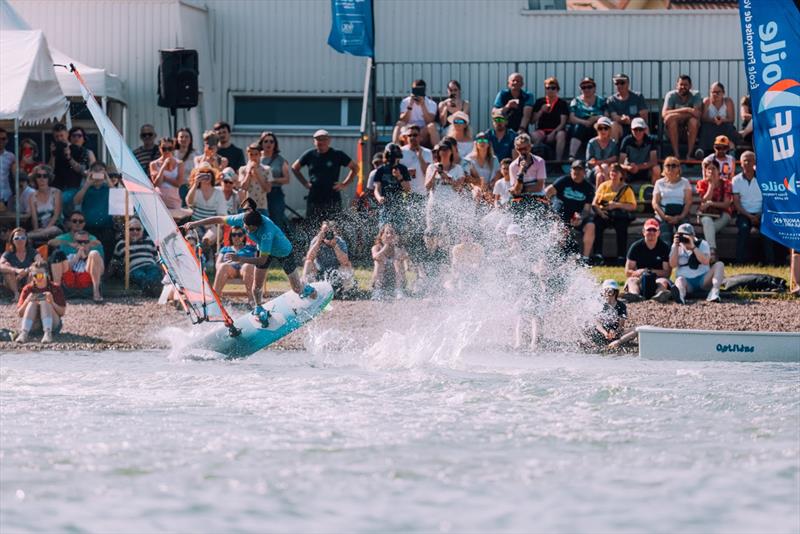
(716, 199)
(41, 301)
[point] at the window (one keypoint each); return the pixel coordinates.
(279, 110)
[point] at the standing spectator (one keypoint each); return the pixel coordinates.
(229, 187)
(206, 201)
(672, 198)
(145, 272)
(647, 265)
(418, 109)
(255, 179)
(416, 158)
(29, 154)
(584, 110)
(324, 164)
(279, 167)
(45, 205)
(392, 181)
(149, 150)
(484, 161)
(227, 266)
(327, 259)
(601, 151)
(501, 137)
(80, 160)
(8, 168)
(444, 180)
(78, 264)
(41, 302)
(691, 257)
(93, 199)
(227, 149)
(639, 155)
(681, 112)
(575, 195)
(460, 131)
(390, 262)
(528, 173)
(624, 106)
(746, 113)
(718, 118)
(614, 204)
(716, 198)
(726, 162)
(748, 203)
(185, 153)
(210, 153)
(550, 113)
(166, 173)
(17, 259)
(515, 103)
(452, 104)
(60, 156)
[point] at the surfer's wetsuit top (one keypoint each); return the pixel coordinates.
(270, 240)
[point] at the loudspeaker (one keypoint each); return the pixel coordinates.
(177, 78)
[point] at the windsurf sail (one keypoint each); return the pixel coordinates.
(179, 260)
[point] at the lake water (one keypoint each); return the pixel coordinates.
(382, 440)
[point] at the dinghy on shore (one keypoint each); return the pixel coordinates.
(717, 345)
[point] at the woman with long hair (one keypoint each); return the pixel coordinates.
(41, 302)
(17, 260)
(44, 206)
(166, 173)
(271, 157)
(205, 200)
(453, 103)
(186, 154)
(390, 264)
(444, 180)
(484, 161)
(719, 117)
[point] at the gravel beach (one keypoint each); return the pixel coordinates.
(135, 323)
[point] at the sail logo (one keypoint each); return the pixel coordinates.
(790, 184)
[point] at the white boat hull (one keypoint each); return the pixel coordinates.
(718, 345)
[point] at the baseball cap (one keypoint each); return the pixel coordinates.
(578, 164)
(722, 140)
(686, 228)
(228, 174)
(651, 223)
(638, 122)
(610, 284)
(321, 133)
(620, 76)
(605, 121)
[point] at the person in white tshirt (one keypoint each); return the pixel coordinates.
(748, 203)
(502, 187)
(691, 257)
(418, 109)
(416, 158)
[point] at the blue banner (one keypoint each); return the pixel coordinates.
(352, 29)
(771, 40)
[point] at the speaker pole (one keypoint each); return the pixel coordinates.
(174, 113)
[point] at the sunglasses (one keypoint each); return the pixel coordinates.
(586, 87)
(167, 148)
(638, 129)
(134, 229)
(42, 175)
(601, 128)
(271, 141)
(82, 242)
(147, 134)
(77, 134)
(671, 165)
(482, 141)
(237, 234)
(77, 221)
(412, 135)
(39, 276)
(500, 119)
(649, 230)
(620, 82)
(459, 121)
(20, 238)
(551, 88)
(721, 147)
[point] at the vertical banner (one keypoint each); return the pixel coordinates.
(352, 29)
(771, 41)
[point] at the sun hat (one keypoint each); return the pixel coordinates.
(686, 228)
(458, 115)
(610, 284)
(605, 121)
(228, 174)
(722, 140)
(321, 133)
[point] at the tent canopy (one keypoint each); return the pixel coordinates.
(30, 91)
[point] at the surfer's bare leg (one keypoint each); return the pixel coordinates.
(248, 277)
(258, 283)
(626, 337)
(536, 332)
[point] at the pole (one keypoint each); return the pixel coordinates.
(16, 174)
(104, 104)
(127, 244)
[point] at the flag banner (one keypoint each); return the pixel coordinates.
(351, 27)
(771, 41)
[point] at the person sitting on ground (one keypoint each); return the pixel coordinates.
(672, 198)
(418, 109)
(726, 162)
(601, 151)
(647, 265)
(145, 272)
(716, 199)
(227, 149)
(610, 324)
(502, 187)
(210, 153)
(624, 106)
(166, 173)
(515, 104)
(550, 113)
(748, 203)
(452, 104)
(584, 111)
(41, 305)
(681, 111)
(255, 179)
(638, 154)
(270, 241)
(17, 260)
(77, 263)
(718, 118)
(44, 206)
(206, 201)
(575, 196)
(501, 137)
(227, 265)
(390, 264)
(327, 260)
(93, 199)
(691, 259)
(614, 206)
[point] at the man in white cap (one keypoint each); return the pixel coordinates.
(638, 154)
(324, 166)
(610, 324)
(691, 257)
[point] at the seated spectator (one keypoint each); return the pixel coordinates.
(484, 162)
(166, 173)
(227, 149)
(44, 206)
(255, 179)
(528, 174)
(691, 257)
(584, 111)
(672, 198)
(17, 260)
(681, 113)
(501, 137)
(746, 113)
(29, 155)
(515, 104)
(575, 196)
(230, 190)
(718, 118)
(550, 113)
(601, 152)
(210, 153)
(460, 131)
(420, 110)
(390, 264)
(327, 259)
(647, 265)
(205, 201)
(610, 325)
(77, 263)
(502, 187)
(114, 180)
(716, 198)
(41, 306)
(614, 206)
(145, 272)
(624, 106)
(92, 197)
(638, 154)
(416, 158)
(392, 182)
(228, 268)
(452, 104)
(726, 162)
(26, 192)
(748, 203)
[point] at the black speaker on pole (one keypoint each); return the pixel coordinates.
(177, 78)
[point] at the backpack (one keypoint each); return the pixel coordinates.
(755, 282)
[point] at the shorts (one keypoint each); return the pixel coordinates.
(288, 263)
(73, 280)
(695, 283)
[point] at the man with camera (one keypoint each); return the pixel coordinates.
(92, 198)
(327, 259)
(528, 174)
(647, 265)
(691, 257)
(78, 263)
(418, 109)
(392, 180)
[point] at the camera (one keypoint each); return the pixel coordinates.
(38, 296)
(439, 167)
(683, 239)
(329, 235)
(452, 96)
(418, 91)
